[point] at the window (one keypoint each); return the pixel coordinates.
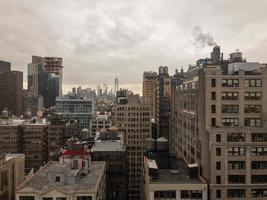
(230, 108)
(229, 95)
(252, 108)
(218, 194)
(84, 198)
(171, 194)
(259, 137)
(253, 95)
(218, 165)
(218, 180)
(218, 138)
(213, 108)
(61, 198)
(229, 122)
(213, 122)
(259, 192)
(191, 194)
(233, 165)
(258, 178)
(236, 193)
(259, 151)
(57, 179)
(218, 151)
(236, 151)
(235, 137)
(259, 164)
(230, 83)
(26, 198)
(213, 95)
(236, 178)
(255, 122)
(253, 83)
(47, 198)
(213, 82)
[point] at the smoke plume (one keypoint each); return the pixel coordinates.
(202, 39)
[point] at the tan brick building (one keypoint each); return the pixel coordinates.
(11, 174)
(219, 122)
(133, 119)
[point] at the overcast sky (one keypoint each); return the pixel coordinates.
(101, 38)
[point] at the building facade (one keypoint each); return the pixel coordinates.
(79, 109)
(133, 119)
(11, 89)
(150, 84)
(109, 147)
(219, 123)
(11, 174)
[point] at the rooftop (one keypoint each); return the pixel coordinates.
(176, 174)
(108, 145)
(40, 180)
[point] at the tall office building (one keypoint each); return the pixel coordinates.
(133, 119)
(45, 78)
(5, 66)
(54, 65)
(11, 89)
(116, 85)
(163, 102)
(52, 89)
(150, 83)
(220, 123)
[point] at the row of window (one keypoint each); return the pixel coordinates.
(241, 193)
(240, 151)
(241, 165)
(235, 108)
(230, 122)
(235, 96)
(240, 137)
(241, 179)
(235, 83)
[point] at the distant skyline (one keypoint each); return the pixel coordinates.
(100, 39)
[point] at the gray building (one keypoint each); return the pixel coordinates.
(78, 109)
(109, 147)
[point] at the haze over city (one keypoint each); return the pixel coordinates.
(99, 39)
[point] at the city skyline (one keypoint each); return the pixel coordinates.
(118, 37)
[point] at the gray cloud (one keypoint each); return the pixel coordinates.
(99, 39)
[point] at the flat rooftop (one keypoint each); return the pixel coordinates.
(108, 145)
(40, 182)
(176, 174)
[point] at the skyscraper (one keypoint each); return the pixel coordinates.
(133, 119)
(116, 82)
(45, 78)
(11, 89)
(54, 65)
(150, 83)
